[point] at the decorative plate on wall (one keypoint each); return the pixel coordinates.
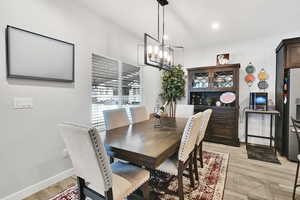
(227, 97)
(263, 85)
(250, 78)
(250, 68)
(262, 75)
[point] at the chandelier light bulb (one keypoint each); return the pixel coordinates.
(150, 49)
(166, 55)
(156, 49)
(160, 54)
(165, 37)
(169, 58)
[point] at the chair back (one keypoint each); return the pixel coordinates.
(88, 155)
(296, 124)
(115, 118)
(139, 114)
(189, 137)
(184, 111)
(206, 117)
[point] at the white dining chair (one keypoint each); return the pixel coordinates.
(184, 111)
(139, 114)
(178, 163)
(115, 118)
(97, 179)
(198, 147)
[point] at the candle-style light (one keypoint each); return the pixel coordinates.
(150, 51)
(156, 49)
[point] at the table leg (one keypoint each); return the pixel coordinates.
(246, 129)
(271, 130)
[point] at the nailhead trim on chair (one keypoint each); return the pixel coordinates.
(102, 158)
(207, 114)
(185, 139)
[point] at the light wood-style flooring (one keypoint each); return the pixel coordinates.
(246, 179)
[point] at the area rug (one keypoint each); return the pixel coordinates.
(164, 186)
(71, 193)
(262, 153)
(211, 184)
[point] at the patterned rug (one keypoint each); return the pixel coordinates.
(164, 186)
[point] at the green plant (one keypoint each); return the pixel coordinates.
(209, 100)
(173, 87)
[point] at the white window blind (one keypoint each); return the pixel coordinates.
(131, 87)
(114, 85)
(105, 87)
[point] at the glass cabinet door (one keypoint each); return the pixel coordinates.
(223, 79)
(200, 80)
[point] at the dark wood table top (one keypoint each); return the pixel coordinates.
(143, 144)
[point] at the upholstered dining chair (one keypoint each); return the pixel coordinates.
(179, 162)
(115, 118)
(96, 178)
(198, 147)
(296, 124)
(139, 114)
(184, 111)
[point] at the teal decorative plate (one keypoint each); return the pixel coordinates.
(250, 68)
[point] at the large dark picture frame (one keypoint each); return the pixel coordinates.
(55, 62)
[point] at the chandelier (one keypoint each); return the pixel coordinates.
(157, 52)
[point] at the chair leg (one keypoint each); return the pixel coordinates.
(108, 195)
(111, 159)
(180, 180)
(296, 179)
(81, 184)
(145, 190)
(191, 173)
(195, 164)
(200, 155)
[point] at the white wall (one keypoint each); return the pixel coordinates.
(30, 145)
(152, 87)
(261, 52)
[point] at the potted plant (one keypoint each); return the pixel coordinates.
(173, 87)
(209, 101)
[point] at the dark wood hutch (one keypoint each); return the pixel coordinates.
(205, 86)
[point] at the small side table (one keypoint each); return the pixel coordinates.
(269, 112)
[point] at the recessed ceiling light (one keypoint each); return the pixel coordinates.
(215, 25)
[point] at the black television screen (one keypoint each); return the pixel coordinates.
(261, 100)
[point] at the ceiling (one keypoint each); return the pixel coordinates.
(188, 22)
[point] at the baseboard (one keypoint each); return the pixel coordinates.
(39, 186)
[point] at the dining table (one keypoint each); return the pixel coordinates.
(143, 143)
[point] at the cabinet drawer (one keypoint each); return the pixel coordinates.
(222, 124)
(223, 115)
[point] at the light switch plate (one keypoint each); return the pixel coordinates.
(23, 103)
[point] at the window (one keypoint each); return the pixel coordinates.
(130, 85)
(114, 85)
